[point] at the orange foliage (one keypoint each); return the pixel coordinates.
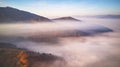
(23, 58)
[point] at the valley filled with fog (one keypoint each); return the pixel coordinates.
(90, 43)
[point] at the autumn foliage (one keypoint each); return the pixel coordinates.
(22, 56)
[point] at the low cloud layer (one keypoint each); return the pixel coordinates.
(101, 50)
(98, 50)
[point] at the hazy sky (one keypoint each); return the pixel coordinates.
(56, 8)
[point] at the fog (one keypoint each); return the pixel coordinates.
(110, 23)
(59, 38)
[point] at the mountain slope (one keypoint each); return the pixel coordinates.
(6, 45)
(11, 56)
(66, 19)
(8, 14)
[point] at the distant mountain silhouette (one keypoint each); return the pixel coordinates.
(9, 14)
(66, 19)
(108, 16)
(104, 16)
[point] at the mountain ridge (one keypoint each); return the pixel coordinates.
(68, 18)
(108, 16)
(9, 14)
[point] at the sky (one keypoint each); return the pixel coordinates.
(59, 8)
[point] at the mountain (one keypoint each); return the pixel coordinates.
(66, 19)
(16, 57)
(109, 16)
(22, 58)
(9, 14)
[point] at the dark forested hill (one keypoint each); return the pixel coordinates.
(9, 14)
(66, 19)
(11, 56)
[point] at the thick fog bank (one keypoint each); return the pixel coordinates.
(100, 50)
(66, 40)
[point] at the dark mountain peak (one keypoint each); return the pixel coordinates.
(9, 14)
(8, 7)
(69, 18)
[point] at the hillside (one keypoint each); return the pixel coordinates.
(9, 14)
(16, 57)
(66, 19)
